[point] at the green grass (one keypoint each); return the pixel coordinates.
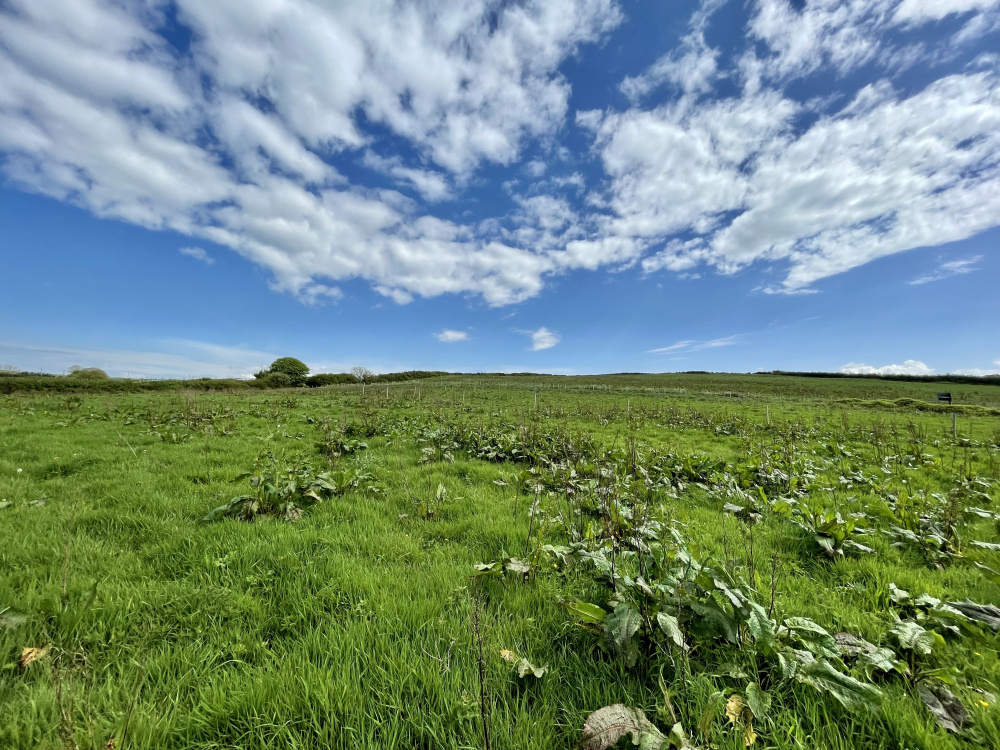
(351, 627)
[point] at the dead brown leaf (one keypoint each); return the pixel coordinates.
(31, 655)
(734, 708)
(739, 714)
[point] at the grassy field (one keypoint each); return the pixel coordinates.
(381, 563)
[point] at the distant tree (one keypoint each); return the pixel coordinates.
(9, 369)
(89, 373)
(363, 374)
(295, 369)
(277, 380)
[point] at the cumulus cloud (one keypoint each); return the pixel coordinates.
(978, 372)
(198, 254)
(326, 142)
(450, 337)
(536, 167)
(842, 34)
(134, 134)
(981, 372)
(463, 81)
(949, 268)
(909, 367)
(914, 367)
(575, 180)
(677, 168)
(691, 68)
(884, 174)
(430, 184)
(543, 338)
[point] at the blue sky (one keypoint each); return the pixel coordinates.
(197, 187)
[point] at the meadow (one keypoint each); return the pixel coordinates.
(674, 561)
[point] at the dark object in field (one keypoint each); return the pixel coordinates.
(985, 613)
(947, 709)
(944, 397)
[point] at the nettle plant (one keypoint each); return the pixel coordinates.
(922, 625)
(529, 442)
(333, 444)
(920, 525)
(683, 608)
(427, 502)
(665, 608)
(285, 489)
(437, 445)
(930, 522)
(834, 532)
(686, 610)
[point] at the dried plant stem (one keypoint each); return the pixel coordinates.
(531, 522)
(483, 706)
(406, 484)
(774, 583)
(63, 590)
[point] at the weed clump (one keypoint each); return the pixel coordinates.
(284, 490)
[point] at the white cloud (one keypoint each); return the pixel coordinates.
(949, 268)
(679, 167)
(575, 180)
(840, 33)
(198, 254)
(692, 67)
(463, 81)
(450, 337)
(176, 358)
(262, 142)
(677, 256)
(672, 348)
(430, 184)
(133, 135)
(978, 372)
(543, 338)
(716, 343)
(545, 223)
(692, 71)
(844, 35)
(934, 10)
(536, 167)
(234, 143)
(976, 27)
(690, 345)
(909, 367)
(883, 175)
